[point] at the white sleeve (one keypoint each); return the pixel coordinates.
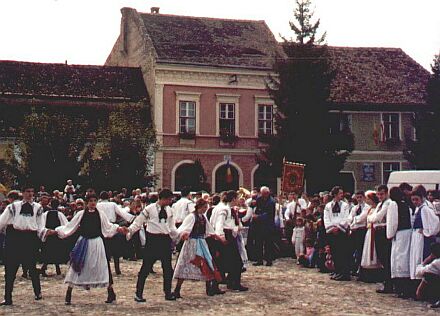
(328, 224)
(187, 225)
(172, 226)
(71, 227)
(6, 217)
(108, 229)
(431, 225)
(248, 216)
(138, 223)
(125, 215)
(293, 236)
(392, 220)
(219, 223)
(361, 217)
(62, 218)
(41, 226)
(209, 229)
(379, 215)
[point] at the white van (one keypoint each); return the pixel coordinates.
(430, 179)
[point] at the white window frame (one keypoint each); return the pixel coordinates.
(383, 168)
(264, 100)
(264, 120)
(187, 117)
(231, 99)
(399, 116)
(188, 96)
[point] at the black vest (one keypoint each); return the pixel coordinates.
(404, 221)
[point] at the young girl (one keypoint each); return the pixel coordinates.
(298, 238)
(195, 261)
(88, 262)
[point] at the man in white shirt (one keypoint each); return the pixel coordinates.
(112, 245)
(336, 222)
(183, 207)
(382, 243)
(160, 232)
(226, 225)
(358, 228)
(22, 244)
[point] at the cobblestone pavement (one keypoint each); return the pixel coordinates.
(283, 289)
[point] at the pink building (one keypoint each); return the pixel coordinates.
(207, 82)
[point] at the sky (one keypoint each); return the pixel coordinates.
(84, 31)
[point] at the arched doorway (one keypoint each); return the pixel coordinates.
(184, 176)
(226, 179)
(263, 176)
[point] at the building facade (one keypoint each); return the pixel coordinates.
(207, 82)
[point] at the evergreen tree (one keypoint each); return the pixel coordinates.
(302, 119)
(424, 152)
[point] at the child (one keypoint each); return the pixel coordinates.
(298, 238)
(307, 260)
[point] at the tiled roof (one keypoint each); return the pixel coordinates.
(209, 41)
(366, 75)
(71, 81)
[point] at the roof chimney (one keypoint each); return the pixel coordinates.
(155, 10)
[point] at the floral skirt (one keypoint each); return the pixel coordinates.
(186, 267)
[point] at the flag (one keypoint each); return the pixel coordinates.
(293, 177)
(382, 129)
(229, 176)
(375, 134)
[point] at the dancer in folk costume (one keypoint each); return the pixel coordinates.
(88, 262)
(195, 261)
(115, 246)
(336, 222)
(381, 242)
(400, 232)
(160, 233)
(358, 230)
(425, 227)
(369, 257)
(54, 250)
(24, 219)
(226, 227)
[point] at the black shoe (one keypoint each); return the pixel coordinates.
(269, 264)
(139, 299)
(111, 296)
(335, 276)
(6, 303)
(170, 297)
(217, 291)
(68, 298)
(38, 297)
(240, 288)
(177, 294)
(385, 291)
(435, 305)
(342, 278)
(24, 275)
(43, 273)
(58, 270)
(258, 263)
(243, 270)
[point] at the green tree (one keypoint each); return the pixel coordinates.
(301, 91)
(104, 148)
(424, 152)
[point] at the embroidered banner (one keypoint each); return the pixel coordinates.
(293, 177)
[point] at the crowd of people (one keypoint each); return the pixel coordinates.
(390, 235)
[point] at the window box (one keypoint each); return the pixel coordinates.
(228, 136)
(187, 135)
(393, 141)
